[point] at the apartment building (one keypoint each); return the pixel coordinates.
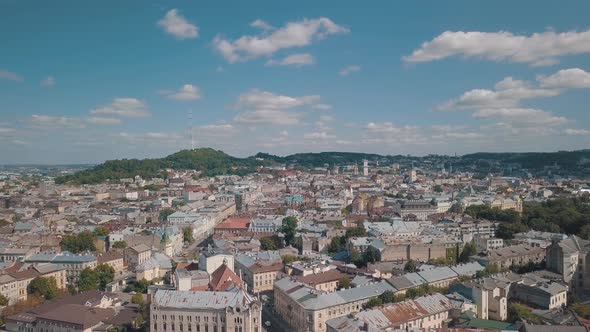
(113, 259)
(306, 309)
(10, 254)
(328, 281)
(74, 264)
(259, 270)
(484, 242)
(512, 255)
(202, 311)
(137, 255)
(427, 312)
(568, 257)
(16, 280)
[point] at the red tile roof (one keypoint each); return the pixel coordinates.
(224, 278)
(235, 223)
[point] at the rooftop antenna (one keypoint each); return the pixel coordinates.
(190, 120)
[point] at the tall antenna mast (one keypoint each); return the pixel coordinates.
(190, 120)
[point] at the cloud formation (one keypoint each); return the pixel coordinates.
(573, 78)
(187, 92)
(296, 60)
(520, 116)
(178, 26)
(268, 108)
(123, 107)
(538, 49)
(349, 70)
(293, 34)
(10, 76)
(48, 82)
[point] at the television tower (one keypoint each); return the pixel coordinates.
(190, 121)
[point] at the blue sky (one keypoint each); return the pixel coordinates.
(86, 82)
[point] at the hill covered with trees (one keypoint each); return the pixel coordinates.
(209, 161)
(214, 162)
(534, 160)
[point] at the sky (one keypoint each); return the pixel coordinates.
(84, 82)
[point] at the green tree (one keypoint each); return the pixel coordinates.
(469, 250)
(287, 259)
(164, 213)
(336, 245)
(585, 232)
(344, 282)
(77, 243)
(137, 298)
(356, 232)
(371, 255)
(141, 286)
(119, 245)
(143, 308)
(410, 266)
(356, 258)
(438, 188)
(106, 275)
(101, 231)
(373, 302)
(3, 301)
(266, 243)
(89, 280)
(289, 229)
(583, 310)
(387, 297)
(44, 287)
(187, 235)
(488, 271)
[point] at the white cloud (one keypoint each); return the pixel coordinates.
(176, 25)
(326, 118)
(321, 107)
(380, 127)
(520, 116)
(296, 60)
(150, 136)
(217, 130)
(187, 92)
(104, 121)
(48, 82)
(349, 70)
(10, 76)
(322, 135)
(273, 117)
(537, 49)
(293, 34)
(20, 142)
(54, 122)
(6, 130)
(123, 107)
(260, 24)
(577, 132)
(573, 78)
(258, 99)
(508, 93)
(458, 136)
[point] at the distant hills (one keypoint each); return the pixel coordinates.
(209, 161)
(214, 162)
(534, 160)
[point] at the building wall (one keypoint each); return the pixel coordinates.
(211, 263)
(204, 319)
(302, 320)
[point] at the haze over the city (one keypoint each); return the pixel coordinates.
(82, 82)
